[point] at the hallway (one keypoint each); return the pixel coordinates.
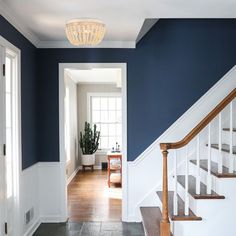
(90, 199)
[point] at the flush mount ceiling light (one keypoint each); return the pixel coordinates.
(85, 32)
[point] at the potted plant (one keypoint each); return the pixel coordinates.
(89, 142)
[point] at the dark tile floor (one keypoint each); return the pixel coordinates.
(90, 229)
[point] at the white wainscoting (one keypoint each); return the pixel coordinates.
(29, 198)
(41, 190)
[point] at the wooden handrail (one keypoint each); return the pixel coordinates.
(196, 130)
(165, 223)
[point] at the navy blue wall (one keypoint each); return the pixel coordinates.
(28, 91)
(171, 68)
(173, 65)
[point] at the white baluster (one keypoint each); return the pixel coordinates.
(175, 199)
(198, 166)
(209, 161)
(220, 161)
(231, 162)
(186, 206)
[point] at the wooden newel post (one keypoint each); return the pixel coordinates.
(165, 222)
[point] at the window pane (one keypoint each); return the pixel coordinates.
(119, 140)
(112, 129)
(98, 127)
(104, 105)
(9, 143)
(8, 109)
(96, 103)
(119, 130)
(104, 129)
(112, 116)
(112, 103)
(106, 113)
(118, 103)
(104, 116)
(9, 162)
(104, 143)
(96, 116)
(112, 142)
(8, 74)
(118, 116)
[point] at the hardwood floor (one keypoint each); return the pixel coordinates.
(90, 199)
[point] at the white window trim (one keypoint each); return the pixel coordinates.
(103, 94)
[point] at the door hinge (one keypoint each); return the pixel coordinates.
(6, 229)
(4, 150)
(3, 69)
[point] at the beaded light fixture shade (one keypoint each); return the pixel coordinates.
(85, 32)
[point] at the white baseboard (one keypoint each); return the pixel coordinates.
(31, 230)
(95, 167)
(43, 219)
(53, 219)
(72, 175)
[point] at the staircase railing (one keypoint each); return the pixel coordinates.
(194, 135)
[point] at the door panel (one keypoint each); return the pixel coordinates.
(2, 142)
(7, 114)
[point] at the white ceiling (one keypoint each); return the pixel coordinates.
(96, 76)
(43, 21)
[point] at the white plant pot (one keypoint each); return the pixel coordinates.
(88, 160)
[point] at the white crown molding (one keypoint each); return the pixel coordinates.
(9, 15)
(103, 44)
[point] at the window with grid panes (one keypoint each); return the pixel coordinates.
(106, 113)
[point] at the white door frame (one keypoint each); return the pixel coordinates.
(123, 67)
(17, 164)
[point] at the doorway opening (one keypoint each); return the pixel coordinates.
(94, 94)
(10, 141)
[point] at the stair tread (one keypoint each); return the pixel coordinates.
(214, 169)
(151, 220)
(225, 147)
(181, 216)
(228, 129)
(203, 188)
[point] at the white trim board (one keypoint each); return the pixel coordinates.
(123, 67)
(95, 168)
(73, 175)
(145, 172)
(103, 44)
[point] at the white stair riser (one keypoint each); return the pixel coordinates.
(225, 155)
(226, 137)
(219, 185)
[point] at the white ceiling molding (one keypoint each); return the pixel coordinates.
(147, 25)
(103, 44)
(9, 15)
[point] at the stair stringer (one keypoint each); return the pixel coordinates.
(144, 174)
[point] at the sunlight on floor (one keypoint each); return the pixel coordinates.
(113, 192)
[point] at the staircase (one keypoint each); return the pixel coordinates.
(202, 200)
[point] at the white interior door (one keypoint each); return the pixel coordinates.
(8, 139)
(2, 144)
